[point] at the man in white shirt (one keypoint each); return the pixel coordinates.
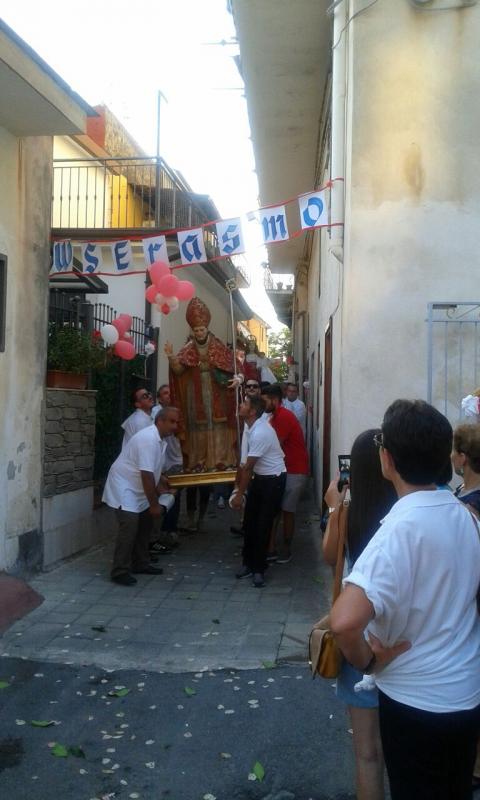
(163, 399)
(132, 488)
(414, 589)
(141, 417)
(293, 403)
(264, 474)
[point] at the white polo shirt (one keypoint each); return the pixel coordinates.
(135, 423)
(263, 444)
(124, 488)
(299, 409)
(421, 572)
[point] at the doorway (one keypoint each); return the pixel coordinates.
(327, 407)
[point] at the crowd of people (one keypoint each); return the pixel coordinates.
(407, 622)
(269, 481)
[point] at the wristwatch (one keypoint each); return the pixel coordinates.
(331, 509)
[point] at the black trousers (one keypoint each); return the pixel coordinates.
(428, 756)
(263, 504)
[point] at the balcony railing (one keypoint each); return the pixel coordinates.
(128, 193)
(277, 283)
(138, 192)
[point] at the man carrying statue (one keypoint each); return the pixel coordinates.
(199, 378)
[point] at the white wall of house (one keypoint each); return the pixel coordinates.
(412, 209)
(25, 168)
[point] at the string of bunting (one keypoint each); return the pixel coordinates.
(313, 210)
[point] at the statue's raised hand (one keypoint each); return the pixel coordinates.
(168, 349)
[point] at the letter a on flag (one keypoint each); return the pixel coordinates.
(313, 210)
(192, 247)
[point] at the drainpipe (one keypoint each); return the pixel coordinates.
(340, 17)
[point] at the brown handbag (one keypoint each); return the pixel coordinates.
(323, 652)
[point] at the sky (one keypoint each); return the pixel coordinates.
(121, 53)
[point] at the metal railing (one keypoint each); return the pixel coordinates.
(67, 311)
(136, 192)
(277, 283)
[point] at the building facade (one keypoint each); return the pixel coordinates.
(385, 305)
(35, 104)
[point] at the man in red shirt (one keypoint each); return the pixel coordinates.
(292, 442)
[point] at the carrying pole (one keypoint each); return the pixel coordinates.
(231, 286)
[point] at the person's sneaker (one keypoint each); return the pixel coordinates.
(285, 558)
(246, 572)
(258, 580)
(220, 502)
(150, 570)
(125, 579)
(158, 549)
(272, 556)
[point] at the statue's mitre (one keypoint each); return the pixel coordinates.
(197, 313)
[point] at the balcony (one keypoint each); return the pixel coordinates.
(113, 198)
(280, 290)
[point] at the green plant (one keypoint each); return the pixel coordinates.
(71, 350)
(279, 349)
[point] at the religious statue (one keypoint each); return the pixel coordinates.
(199, 378)
(251, 369)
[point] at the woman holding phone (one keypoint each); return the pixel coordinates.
(371, 497)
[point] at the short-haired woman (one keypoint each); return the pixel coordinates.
(466, 462)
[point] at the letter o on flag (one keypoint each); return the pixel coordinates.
(316, 206)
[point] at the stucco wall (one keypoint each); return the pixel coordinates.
(413, 197)
(25, 173)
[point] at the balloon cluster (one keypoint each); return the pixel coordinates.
(166, 290)
(115, 333)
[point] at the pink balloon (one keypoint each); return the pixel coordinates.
(185, 290)
(168, 285)
(127, 338)
(151, 293)
(127, 319)
(124, 350)
(165, 309)
(121, 325)
(159, 270)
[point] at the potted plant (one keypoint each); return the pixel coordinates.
(71, 354)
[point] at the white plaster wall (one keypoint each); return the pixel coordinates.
(413, 199)
(25, 174)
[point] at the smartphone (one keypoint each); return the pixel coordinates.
(344, 470)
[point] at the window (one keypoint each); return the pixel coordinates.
(3, 300)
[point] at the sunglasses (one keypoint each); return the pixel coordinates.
(378, 440)
(252, 385)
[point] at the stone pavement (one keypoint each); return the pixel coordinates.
(195, 616)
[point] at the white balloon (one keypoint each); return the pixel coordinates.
(159, 299)
(109, 334)
(172, 303)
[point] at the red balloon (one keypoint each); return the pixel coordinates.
(151, 293)
(159, 270)
(168, 285)
(127, 318)
(165, 309)
(124, 350)
(121, 325)
(185, 290)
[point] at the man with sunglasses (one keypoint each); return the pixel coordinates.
(141, 418)
(252, 388)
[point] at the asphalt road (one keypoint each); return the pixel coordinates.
(194, 736)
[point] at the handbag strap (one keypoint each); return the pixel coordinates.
(340, 562)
